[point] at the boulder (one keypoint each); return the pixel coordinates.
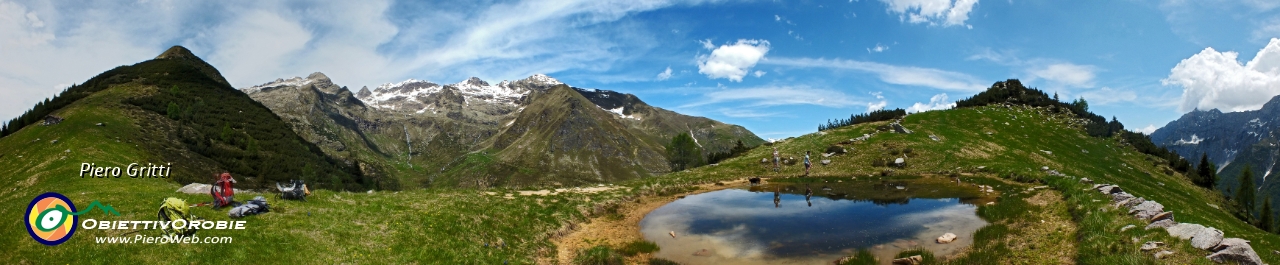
(1163, 253)
(826, 162)
(946, 238)
(899, 129)
(1207, 238)
(1162, 216)
(1110, 189)
(1184, 231)
(1166, 223)
(1146, 210)
(1237, 250)
(1129, 203)
(1121, 196)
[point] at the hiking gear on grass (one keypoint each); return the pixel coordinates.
(256, 206)
(296, 190)
(222, 191)
(173, 209)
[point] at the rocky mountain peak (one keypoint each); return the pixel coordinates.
(474, 81)
(318, 76)
(364, 92)
(177, 52)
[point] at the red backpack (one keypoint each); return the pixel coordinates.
(222, 190)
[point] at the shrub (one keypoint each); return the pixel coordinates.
(638, 247)
(599, 255)
(659, 261)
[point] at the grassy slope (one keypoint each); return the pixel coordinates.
(452, 225)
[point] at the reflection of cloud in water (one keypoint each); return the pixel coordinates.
(741, 227)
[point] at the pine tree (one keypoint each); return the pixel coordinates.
(1205, 171)
(1265, 222)
(1245, 195)
(683, 153)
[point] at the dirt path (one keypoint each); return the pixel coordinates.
(616, 232)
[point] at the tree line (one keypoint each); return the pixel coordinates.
(873, 116)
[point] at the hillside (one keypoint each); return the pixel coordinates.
(1000, 146)
(422, 134)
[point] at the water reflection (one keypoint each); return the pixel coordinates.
(735, 226)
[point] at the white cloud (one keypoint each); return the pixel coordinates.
(1065, 74)
(937, 102)
(733, 61)
(758, 73)
(878, 48)
(1212, 79)
(945, 12)
(1108, 96)
(776, 96)
(706, 44)
(1149, 129)
(877, 105)
(893, 74)
(777, 18)
(664, 75)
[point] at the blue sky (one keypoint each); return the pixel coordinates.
(777, 67)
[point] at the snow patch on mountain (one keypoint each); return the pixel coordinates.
(280, 82)
(1194, 140)
(618, 111)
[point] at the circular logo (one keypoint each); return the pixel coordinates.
(49, 218)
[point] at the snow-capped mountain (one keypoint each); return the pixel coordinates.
(549, 130)
(418, 93)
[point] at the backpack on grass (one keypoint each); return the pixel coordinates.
(173, 209)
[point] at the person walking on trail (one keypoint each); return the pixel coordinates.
(777, 160)
(806, 163)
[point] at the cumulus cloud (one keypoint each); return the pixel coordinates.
(1065, 74)
(733, 61)
(879, 104)
(893, 74)
(878, 48)
(1149, 129)
(937, 102)
(664, 75)
(934, 12)
(1216, 80)
(758, 73)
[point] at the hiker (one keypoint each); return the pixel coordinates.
(807, 192)
(777, 160)
(806, 163)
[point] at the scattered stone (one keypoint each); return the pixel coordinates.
(934, 137)
(899, 129)
(1184, 231)
(1163, 253)
(1235, 249)
(68, 151)
(1129, 203)
(371, 192)
(901, 187)
(1151, 245)
(1045, 168)
(912, 260)
(982, 167)
(1047, 152)
(1084, 151)
(1207, 238)
(988, 133)
(827, 154)
(1110, 189)
(1127, 227)
(100, 124)
(1146, 210)
(946, 238)
(1215, 206)
(1162, 216)
(826, 162)
(899, 161)
(1166, 223)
